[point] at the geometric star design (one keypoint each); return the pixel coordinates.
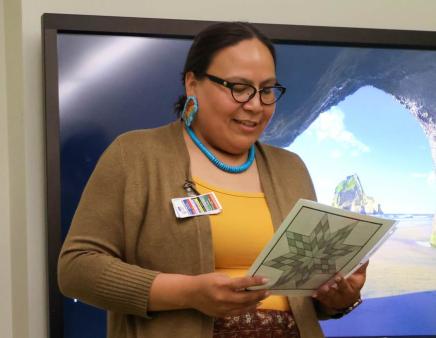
(312, 254)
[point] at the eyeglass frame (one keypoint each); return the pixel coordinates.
(230, 85)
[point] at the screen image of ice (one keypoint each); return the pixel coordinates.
(362, 119)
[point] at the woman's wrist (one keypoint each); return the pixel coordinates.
(346, 310)
(188, 290)
(336, 313)
(323, 311)
(171, 292)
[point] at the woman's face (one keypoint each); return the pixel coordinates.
(222, 123)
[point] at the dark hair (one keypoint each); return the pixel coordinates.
(213, 39)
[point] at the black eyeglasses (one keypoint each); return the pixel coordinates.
(244, 92)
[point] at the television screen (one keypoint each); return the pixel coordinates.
(361, 115)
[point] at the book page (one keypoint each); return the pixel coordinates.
(313, 243)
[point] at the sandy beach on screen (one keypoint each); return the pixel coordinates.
(405, 263)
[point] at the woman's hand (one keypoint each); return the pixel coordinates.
(218, 295)
(340, 293)
(214, 294)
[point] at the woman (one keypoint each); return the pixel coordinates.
(163, 276)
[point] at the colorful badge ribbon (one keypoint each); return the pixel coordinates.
(206, 204)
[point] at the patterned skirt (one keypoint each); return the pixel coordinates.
(258, 324)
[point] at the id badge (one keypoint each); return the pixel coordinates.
(206, 204)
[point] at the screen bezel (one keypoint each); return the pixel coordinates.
(53, 24)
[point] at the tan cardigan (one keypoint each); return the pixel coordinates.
(124, 232)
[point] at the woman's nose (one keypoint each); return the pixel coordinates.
(254, 104)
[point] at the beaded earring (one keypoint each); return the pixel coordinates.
(190, 110)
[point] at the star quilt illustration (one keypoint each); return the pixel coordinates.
(314, 243)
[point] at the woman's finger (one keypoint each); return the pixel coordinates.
(241, 283)
(357, 278)
(333, 301)
(344, 287)
(362, 269)
(341, 298)
(249, 298)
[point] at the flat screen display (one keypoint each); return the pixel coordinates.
(362, 119)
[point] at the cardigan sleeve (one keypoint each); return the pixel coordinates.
(91, 266)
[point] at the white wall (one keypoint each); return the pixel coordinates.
(15, 223)
(5, 248)
(22, 215)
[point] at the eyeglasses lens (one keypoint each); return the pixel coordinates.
(243, 93)
(269, 95)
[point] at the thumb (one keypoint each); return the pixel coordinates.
(247, 281)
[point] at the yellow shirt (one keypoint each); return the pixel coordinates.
(239, 233)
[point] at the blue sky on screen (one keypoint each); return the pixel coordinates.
(372, 135)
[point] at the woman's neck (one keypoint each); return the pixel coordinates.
(231, 159)
(202, 168)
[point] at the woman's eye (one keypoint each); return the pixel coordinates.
(240, 89)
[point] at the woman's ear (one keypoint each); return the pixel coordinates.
(190, 84)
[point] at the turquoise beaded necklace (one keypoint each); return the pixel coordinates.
(225, 167)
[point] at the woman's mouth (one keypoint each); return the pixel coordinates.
(247, 123)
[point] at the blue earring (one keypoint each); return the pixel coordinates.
(190, 110)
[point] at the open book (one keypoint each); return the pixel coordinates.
(313, 243)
